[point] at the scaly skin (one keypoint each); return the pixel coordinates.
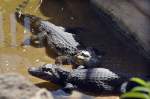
(57, 39)
(92, 81)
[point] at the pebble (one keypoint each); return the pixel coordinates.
(24, 50)
(37, 60)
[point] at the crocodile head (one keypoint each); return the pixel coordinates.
(87, 58)
(49, 72)
(82, 57)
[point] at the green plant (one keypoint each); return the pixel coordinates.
(139, 92)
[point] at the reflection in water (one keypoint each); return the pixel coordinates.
(18, 58)
(1, 31)
(13, 30)
(27, 30)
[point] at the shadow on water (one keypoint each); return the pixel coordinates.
(80, 13)
(50, 86)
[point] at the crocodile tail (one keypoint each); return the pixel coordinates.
(19, 11)
(21, 16)
(20, 7)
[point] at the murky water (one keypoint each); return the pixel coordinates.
(67, 13)
(13, 56)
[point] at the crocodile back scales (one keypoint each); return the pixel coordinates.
(95, 80)
(58, 39)
(62, 42)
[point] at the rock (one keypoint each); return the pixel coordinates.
(42, 94)
(129, 20)
(15, 86)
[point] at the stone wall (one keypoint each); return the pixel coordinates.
(129, 20)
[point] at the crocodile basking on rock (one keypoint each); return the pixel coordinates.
(59, 40)
(92, 81)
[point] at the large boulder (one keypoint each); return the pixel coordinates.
(15, 86)
(129, 20)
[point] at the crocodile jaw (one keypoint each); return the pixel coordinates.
(37, 72)
(46, 72)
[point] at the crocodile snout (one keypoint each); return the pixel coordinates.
(31, 69)
(34, 71)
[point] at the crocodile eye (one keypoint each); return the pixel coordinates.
(44, 69)
(85, 55)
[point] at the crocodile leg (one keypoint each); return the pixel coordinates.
(68, 88)
(81, 67)
(38, 40)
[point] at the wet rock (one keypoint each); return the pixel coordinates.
(15, 86)
(129, 20)
(42, 94)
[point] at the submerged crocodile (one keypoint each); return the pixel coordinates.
(92, 81)
(59, 40)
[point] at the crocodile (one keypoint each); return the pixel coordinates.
(92, 80)
(57, 38)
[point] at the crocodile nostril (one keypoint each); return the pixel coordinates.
(31, 69)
